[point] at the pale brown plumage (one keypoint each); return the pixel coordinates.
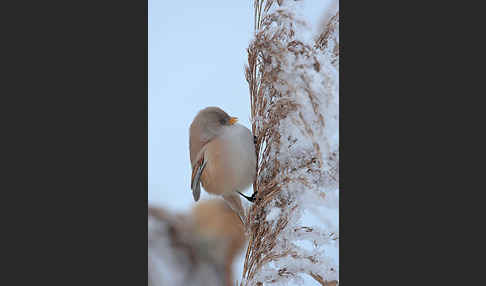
(218, 228)
(201, 244)
(222, 156)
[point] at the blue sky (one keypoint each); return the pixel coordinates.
(197, 53)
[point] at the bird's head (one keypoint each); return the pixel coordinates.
(211, 121)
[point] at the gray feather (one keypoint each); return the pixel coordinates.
(196, 184)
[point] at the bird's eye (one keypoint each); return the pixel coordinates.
(222, 121)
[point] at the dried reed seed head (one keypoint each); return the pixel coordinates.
(267, 49)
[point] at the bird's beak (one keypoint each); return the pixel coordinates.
(233, 120)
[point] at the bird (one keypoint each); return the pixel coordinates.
(201, 244)
(222, 154)
(218, 233)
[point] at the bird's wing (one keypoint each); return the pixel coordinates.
(196, 176)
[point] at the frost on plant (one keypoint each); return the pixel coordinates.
(293, 82)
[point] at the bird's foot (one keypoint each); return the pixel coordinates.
(251, 199)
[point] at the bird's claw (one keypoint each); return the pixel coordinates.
(251, 199)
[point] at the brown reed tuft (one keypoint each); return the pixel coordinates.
(274, 103)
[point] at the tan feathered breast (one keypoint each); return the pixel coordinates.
(231, 161)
